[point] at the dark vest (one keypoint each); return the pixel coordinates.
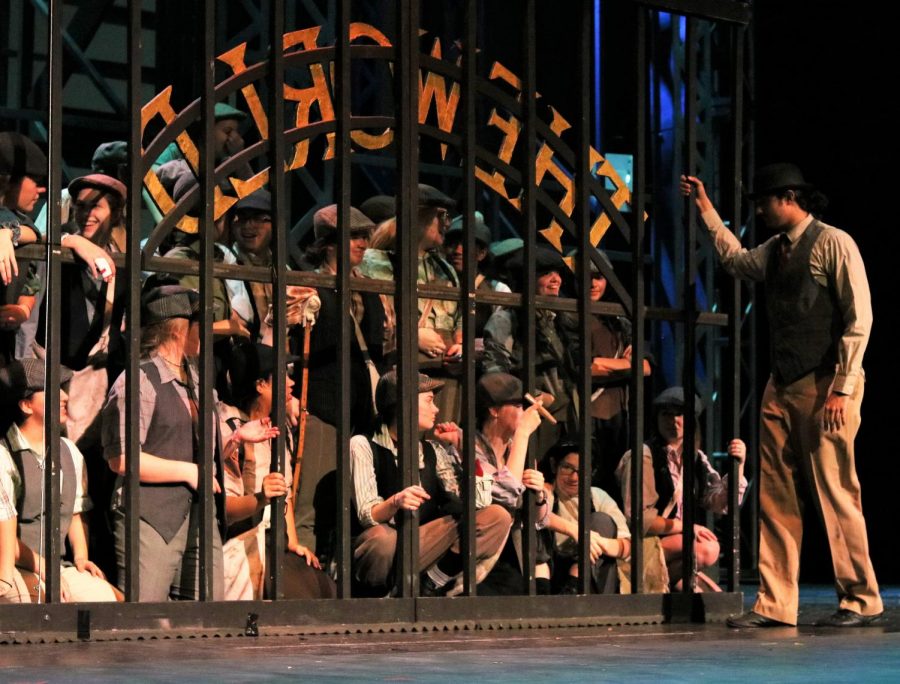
(665, 488)
(387, 476)
(170, 435)
(805, 323)
(78, 332)
(323, 401)
(28, 504)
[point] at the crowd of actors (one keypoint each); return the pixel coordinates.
(518, 448)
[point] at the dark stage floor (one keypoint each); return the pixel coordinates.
(647, 653)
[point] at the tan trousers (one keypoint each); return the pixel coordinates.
(794, 446)
(374, 549)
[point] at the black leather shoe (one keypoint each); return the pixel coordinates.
(428, 588)
(849, 618)
(752, 619)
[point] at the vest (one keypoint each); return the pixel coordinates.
(79, 333)
(805, 324)
(170, 435)
(28, 503)
(387, 477)
(662, 479)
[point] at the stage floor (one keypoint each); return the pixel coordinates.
(651, 653)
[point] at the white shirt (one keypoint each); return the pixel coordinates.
(11, 479)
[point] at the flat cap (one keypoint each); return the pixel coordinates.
(482, 232)
(224, 111)
(169, 301)
(430, 196)
(325, 221)
(498, 389)
(101, 182)
(24, 376)
(261, 200)
(20, 156)
(109, 155)
(673, 397)
(386, 394)
(379, 208)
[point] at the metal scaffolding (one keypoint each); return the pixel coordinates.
(710, 337)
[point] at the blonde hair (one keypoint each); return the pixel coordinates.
(385, 236)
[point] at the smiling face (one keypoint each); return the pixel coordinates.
(453, 249)
(359, 243)
(251, 229)
(567, 475)
(33, 407)
(92, 213)
(548, 284)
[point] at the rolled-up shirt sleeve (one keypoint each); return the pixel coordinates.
(715, 494)
(9, 484)
(507, 489)
(365, 486)
(836, 261)
(623, 473)
(114, 414)
(83, 502)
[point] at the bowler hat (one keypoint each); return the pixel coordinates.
(773, 178)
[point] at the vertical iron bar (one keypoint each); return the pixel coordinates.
(207, 372)
(343, 89)
(688, 451)
(750, 237)
(275, 550)
(529, 71)
(407, 309)
(733, 548)
(52, 551)
(636, 386)
(583, 225)
(133, 308)
(467, 295)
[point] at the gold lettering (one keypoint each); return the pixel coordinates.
(235, 59)
(496, 181)
(435, 88)
(317, 94)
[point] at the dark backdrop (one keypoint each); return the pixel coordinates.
(825, 99)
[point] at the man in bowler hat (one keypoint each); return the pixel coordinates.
(820, 316)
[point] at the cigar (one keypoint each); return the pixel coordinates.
(544, 412)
